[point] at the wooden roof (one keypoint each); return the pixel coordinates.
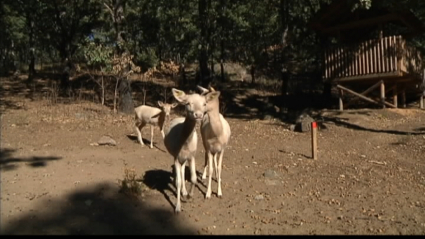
(338, 17)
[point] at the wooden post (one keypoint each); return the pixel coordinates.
(422, 87)
(341, 104)
(383, 94)
(314, 140)
(403, 98)
(395, 98)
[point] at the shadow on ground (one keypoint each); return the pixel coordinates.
(160, 180)
(7, 162)
(420, 129)
(145, 141)
(340, 122)
(97, 210)
(9, 105)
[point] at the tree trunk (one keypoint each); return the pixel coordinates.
(182, 76)
(212, 59)
(103, 89)
(222, 58)
(116, 95)
(122, 88)
(222, 69)
(211, 43)
(126, 100)
(66, 73)
(31, 67)
(422, 87)
(203, 56)
(285, 74)
(252, 71)
(327, 87)
(222, 27)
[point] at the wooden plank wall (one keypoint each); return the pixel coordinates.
(385, 55)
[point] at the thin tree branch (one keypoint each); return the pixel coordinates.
(114, 19)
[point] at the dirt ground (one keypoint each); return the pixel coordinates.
(369, 177)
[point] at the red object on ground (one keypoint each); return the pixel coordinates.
(314, 124)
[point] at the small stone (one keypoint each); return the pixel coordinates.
(267, 117)
(107, 140)
(259, 197)
(271, 174)
(269, 182)
(303, 123)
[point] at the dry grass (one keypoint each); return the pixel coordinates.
(131, 184)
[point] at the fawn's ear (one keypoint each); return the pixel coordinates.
(179, 95)
(174, 105)
(160, 103)
(212, 95)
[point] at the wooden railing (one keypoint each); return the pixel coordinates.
(373, 57)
